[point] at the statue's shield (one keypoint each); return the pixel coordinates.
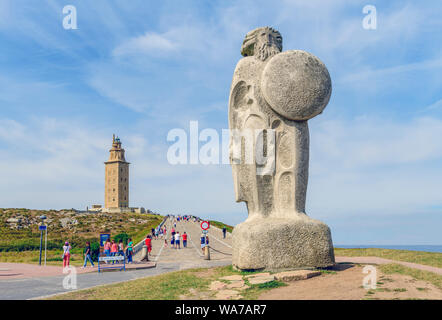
(296, 84)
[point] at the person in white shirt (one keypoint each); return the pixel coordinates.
(177, 240)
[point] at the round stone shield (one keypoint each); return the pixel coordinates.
(296, 85)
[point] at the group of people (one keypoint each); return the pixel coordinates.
(175, 239)
(110, 249)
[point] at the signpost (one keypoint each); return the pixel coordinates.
(205, 225)
(45, 229)
(103, 238)
(42, 227)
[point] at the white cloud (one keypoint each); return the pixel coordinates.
(150, 42)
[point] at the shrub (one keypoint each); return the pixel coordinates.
(121, 236)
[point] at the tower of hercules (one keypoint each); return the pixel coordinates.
(116, 192)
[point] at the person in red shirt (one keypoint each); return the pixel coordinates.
(184, 236)
(148, 243)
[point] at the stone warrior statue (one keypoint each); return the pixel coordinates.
(274, 93)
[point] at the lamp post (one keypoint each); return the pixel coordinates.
(41, 238)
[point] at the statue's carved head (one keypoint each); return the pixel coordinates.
(262, 43)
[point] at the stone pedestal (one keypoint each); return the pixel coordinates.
(282, 244)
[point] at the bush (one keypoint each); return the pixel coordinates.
(121, 236)
(95, 250)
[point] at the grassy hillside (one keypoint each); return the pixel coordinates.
(220, 225)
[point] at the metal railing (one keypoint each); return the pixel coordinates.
(139, 245)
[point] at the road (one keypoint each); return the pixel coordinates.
(167, 259)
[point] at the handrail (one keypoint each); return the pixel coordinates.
(140, 244)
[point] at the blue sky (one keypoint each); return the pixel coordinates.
(141, 68)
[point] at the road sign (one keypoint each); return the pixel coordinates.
(103, 238)
(42, 228)
(205, 231)
(205, 225)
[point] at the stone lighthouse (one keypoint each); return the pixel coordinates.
(116, 192)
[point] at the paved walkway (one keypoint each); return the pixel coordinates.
(10, 271)
(50, 281)
(377, 260)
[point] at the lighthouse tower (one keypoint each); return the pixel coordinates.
(116, 190)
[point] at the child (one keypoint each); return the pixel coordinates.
(165, 243)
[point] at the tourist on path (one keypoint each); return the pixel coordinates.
(148, 243)
(224, 232)
(87, 255)
(120, 248)
(107, 248)
(203, 241)
(172, 241)
(129, 249)
(184, 236)
(177, 240)
(66, 254)
(156, 233)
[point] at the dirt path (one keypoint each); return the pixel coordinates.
(347, 284)
(377, 260)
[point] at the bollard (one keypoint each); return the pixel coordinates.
(206, 253)
(144, 254)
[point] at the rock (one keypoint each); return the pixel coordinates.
(261, 279)
(236, 285)
(217, 285)
(232, 278)
(227, 294)
(258, 274)
(296, 275)
(278, 244)
(13, 220)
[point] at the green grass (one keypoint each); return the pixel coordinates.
(221, 225)
(427, 276)
(433, 259)
(169, 286)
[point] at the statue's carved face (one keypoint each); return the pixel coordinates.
(262, 43)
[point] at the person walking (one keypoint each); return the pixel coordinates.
(87, 255)
(172, 240)
(148, 243)
(129, 250)
(66, 254)
(184, 236)
(120, 248)
(224, 232)
(107, 248)
(156, 233)
(177, 240)
(203, 241)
